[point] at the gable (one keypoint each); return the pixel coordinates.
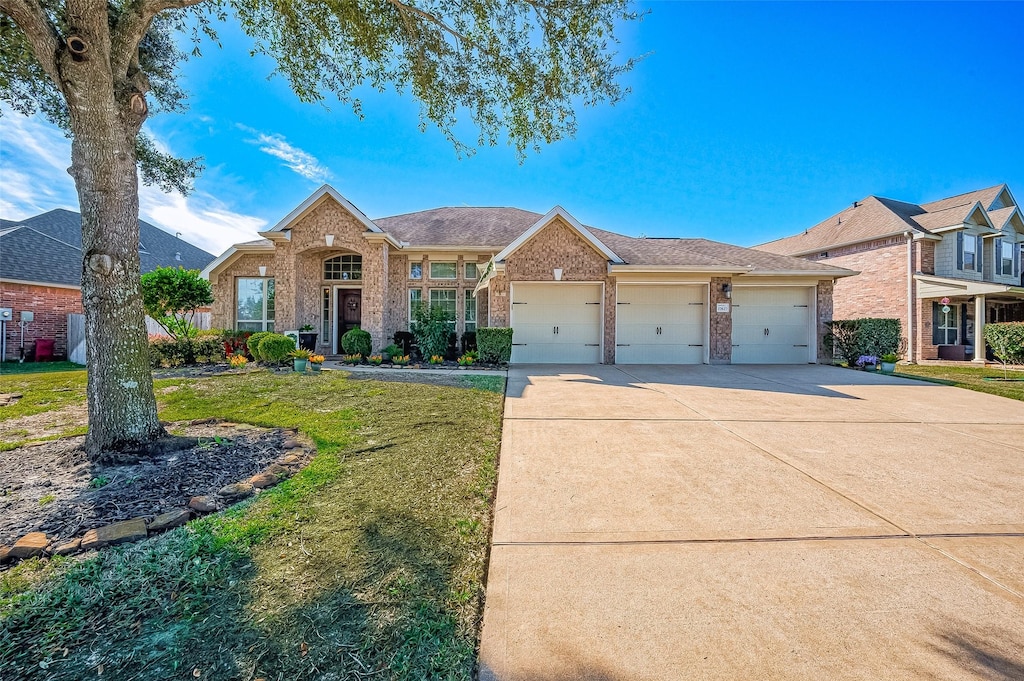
(563, 218)
(559, 246)
(314, 200)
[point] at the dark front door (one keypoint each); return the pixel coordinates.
(350, 310)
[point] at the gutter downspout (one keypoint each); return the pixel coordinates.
(911, 338)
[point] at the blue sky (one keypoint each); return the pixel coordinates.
(746, 122)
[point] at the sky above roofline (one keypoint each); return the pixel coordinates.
(732, 132)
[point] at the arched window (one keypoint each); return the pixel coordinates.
(343, 268)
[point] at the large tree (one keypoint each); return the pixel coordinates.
(99, 68)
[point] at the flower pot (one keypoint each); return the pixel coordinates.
(315, 367)
(888, 367)
(307, 340)
(300, 365)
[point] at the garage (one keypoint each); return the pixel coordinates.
(772, 325)
(660, 324)
(556, 323)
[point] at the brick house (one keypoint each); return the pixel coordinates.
(965, 249)
(571, 293)
(41, 272)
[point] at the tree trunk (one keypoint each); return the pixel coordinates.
(122, 406)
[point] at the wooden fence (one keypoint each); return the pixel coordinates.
(76, 333)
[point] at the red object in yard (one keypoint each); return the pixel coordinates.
(44, 350)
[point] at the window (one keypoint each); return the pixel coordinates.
(325, 318)
(946, 325)
(471, 271)
(1004, 258)
(970, 252)
(415, 300)
(470, 311)
(254, 310)
(343, 268)
(444, 270)
(445, 297)
(415, 270)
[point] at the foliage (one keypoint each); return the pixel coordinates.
(890, 358)
(406, 341)
(1007, 341)
(253, 343)
(168, 352)
(275, 348)
(236, 342)
(352, 359)
(306, 328)
(436, 359)
(316, 359)
(237, 361)
(300, 353)
(400, 360)
(171, 296)
(392, 350)
(851, 338)
(375, 360)
(357, 342)
(431, 325)
(867, 361)
(468, 342)
(494, 344)
(465, 361)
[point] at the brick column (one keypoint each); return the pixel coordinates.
(720, 333)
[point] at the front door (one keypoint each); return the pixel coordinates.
(350, 310)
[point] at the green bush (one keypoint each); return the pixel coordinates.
(852, 338)
(275, 348)
(1007, 341)
(494, 344)
(253, 343)
(357, 342)
(168, 352)
(432, 328)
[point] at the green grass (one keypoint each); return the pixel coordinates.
(972, 378)
(367, 564)
(14, 368)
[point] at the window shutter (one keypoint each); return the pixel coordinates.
(959, 250)
(997, 262)
(979, 249)
(936, 311)
(1016, 259)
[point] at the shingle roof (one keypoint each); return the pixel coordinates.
(985, 196)
(460, 226)
(1001, 216)
(947, 217)
(47, 249)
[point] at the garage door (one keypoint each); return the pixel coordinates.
(771, 325)
(659, 324)
(556, 323)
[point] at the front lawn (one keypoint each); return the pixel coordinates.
(367, 564)
(970, 377)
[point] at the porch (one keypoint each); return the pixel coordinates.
(955, 312)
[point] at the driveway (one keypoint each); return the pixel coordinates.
(764, 522)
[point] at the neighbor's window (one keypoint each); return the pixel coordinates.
(325, 318)
(343, 268)
(970, 246)
(415, 270)
(1005, 258)
(443, 270)
(415, 300)
(470, 311)
(471, 271)
(947, 327)
(255, 306)
(445, 297)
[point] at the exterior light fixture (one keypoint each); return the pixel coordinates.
(727, 290)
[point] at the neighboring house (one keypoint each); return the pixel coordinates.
(41, 271)
(911, 257)
(571, 293)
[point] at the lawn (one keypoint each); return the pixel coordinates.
(367, 564)
(970, 377)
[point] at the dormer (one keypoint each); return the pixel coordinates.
(1004, 199)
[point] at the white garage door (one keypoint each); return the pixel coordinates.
(556, 323)
(659, 324)
(771, 325)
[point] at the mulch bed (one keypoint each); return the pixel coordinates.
(52, 487)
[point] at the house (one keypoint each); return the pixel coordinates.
(571, 293)
(944, 268)
(41, 272)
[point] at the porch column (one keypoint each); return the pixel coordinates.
(979, 329)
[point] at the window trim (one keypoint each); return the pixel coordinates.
(954, 311)
(969, 239)
(455, 270)
(267, 319)
(465, 271)
(410, 302)
(1002, 260)
(412, 264)
(466, 321)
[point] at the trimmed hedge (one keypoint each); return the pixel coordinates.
(494, 344)
(357, 342)
(165, 351)
(275, 348)
(253, 343)
(1007, 341)
(851, 338)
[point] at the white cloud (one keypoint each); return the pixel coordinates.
(33, 162)
(302, 162)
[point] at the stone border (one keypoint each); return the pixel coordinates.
(297, 453)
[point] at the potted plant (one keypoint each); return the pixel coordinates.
(299, 358)
(307, 339)
(867, 362)
(889, 360)
(315, 362)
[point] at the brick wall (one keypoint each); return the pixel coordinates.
(720, 332)
(223, 309)
(824, 297)
(924, 256)
(50, 306)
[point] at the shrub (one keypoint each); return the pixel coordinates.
(406, 341)
(392, 350)
(1007, 341)
(275, 348)
(494, 344)
(431, 326)
(852, 338)
(253, 343)
(357, 342)
(168, 352)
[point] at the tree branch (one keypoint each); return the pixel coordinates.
(405, 10)
(29, 16)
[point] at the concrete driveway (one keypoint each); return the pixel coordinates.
(769, 522)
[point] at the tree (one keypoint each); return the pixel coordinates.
(94, 66)
(171, 296)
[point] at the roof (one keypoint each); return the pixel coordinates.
(47, 248)
(948, 217)
(460, 226)
(983, 196)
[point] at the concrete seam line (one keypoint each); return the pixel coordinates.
(949, 427)
(761, 540)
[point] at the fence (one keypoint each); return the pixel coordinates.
(76, 333)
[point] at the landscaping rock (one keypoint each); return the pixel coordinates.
(118, 533)
(290, 443)
(263, 480)
(68, 547)
(9, 398)
(32, 544)
(236, 490)
(171, 519)
(278, 470)
(296, 451)
(244, 426)
(203, 504)
(227, 424)
(202, 422)
(290, 460)
(4, 553)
